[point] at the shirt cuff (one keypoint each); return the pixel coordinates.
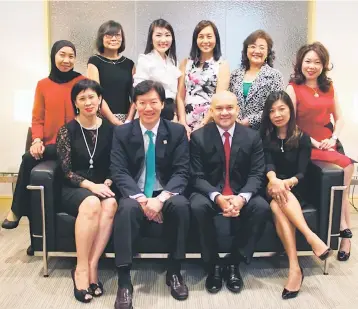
(213, 195)
(165, 195)
(134, 197)
(246, 196)
(127, 121)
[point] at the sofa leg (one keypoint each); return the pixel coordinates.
(44, 247)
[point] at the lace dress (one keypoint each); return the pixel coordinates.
(74, 161)
(200, 85)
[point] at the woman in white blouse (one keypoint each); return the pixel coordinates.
(159, 63)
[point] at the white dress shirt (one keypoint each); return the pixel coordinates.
(152, 66)
(231, 131)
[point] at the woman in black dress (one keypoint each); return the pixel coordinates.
(287, 154)
(83, 149)
(113, 71)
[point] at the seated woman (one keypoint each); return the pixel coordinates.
(52, 109)
(287, 154)
(83, 149)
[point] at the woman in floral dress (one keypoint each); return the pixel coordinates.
(203, 73)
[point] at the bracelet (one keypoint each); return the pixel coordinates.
(36, 140)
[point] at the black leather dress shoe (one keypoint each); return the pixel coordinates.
(9, 225)
(124, 298)
(214, 280)
(233, 278)
(347, 233)
(178, 288)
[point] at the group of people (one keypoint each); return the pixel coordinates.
(161, 142)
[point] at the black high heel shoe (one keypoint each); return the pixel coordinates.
(347, 233)
(325, 255)
(80, 295)
(96, 287)
(286, 294)
(343, 256)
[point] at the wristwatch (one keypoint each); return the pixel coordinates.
(334, 137)
(36, 140)
(161, 198)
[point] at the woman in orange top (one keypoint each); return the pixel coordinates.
(315, 101)
(52, 109)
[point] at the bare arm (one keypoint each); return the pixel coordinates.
(93, 73)
(181, 94)
(338, 117)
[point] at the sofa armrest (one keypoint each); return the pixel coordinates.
(44, 174)
(321, 176)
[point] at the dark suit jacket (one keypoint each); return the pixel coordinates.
(171, 157)
(207, 161)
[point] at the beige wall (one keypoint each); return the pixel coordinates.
(335, 25)
(24, 62)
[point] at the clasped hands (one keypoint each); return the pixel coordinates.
(278, 189)
(326, 144)
(231, 205)
(152, 208)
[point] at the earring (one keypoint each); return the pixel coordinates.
(77, 111)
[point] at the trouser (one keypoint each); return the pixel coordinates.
(247, 228)
(130, 218)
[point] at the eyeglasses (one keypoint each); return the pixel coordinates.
(253, 47)
(118, 36)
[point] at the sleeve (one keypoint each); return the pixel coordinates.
(38, 114)
(197, 174)
(231, 82)
(142, 71)
(270, 166)
(180, 165)
(93, 60)
(304, 156)
(119, 166)
(277, 83)
(257, 167)
(255, 120)
(64, 155)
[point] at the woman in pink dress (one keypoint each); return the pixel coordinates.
(313, 95)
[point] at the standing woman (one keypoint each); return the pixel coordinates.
(315, 100)
(159, 63)
(203, 74)
(113, 71)
(256, 78)
(83, 148)
(287, 154)
(52, 109)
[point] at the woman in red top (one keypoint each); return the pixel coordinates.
(312, 93)
(52, 109)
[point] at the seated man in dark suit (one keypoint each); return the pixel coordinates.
(227, 170)
(150, 167)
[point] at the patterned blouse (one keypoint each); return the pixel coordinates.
(200, 85)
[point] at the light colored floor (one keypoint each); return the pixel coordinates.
(23, 287)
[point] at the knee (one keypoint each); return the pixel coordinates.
(90, 208)
(261, 207)
(128, 205)
(28, 159)
(180, 203)
(109, 208)
(199, 204)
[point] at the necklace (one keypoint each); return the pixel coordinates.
(111, 61)
(316, 94)
(91, 155)
(282, 150)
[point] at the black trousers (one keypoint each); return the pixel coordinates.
(21, 199)
(247, 228)
(130, 218)
(168, 109)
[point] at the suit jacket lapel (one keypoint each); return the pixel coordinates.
(257, 83)
(136, 144)
(217, 140)
(161, 141)
(235, 146)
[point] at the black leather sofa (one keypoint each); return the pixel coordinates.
(59, 226)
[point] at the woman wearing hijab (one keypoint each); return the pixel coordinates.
(52, 109)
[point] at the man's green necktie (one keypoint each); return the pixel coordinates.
(149, 167)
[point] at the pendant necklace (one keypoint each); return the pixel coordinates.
(112, 61)
(316, 94)
(91, 155)
(282, 150)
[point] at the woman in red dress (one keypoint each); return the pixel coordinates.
(313, 95)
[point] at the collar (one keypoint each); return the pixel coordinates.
(231, 130)
(156, 53)
(154, 130)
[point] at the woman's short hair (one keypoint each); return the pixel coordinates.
(146, 86)
(268, 130)
(83, 85)
(195, 50)
(110, 27)
(323, 81)
(161, 23)
(251, 39)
